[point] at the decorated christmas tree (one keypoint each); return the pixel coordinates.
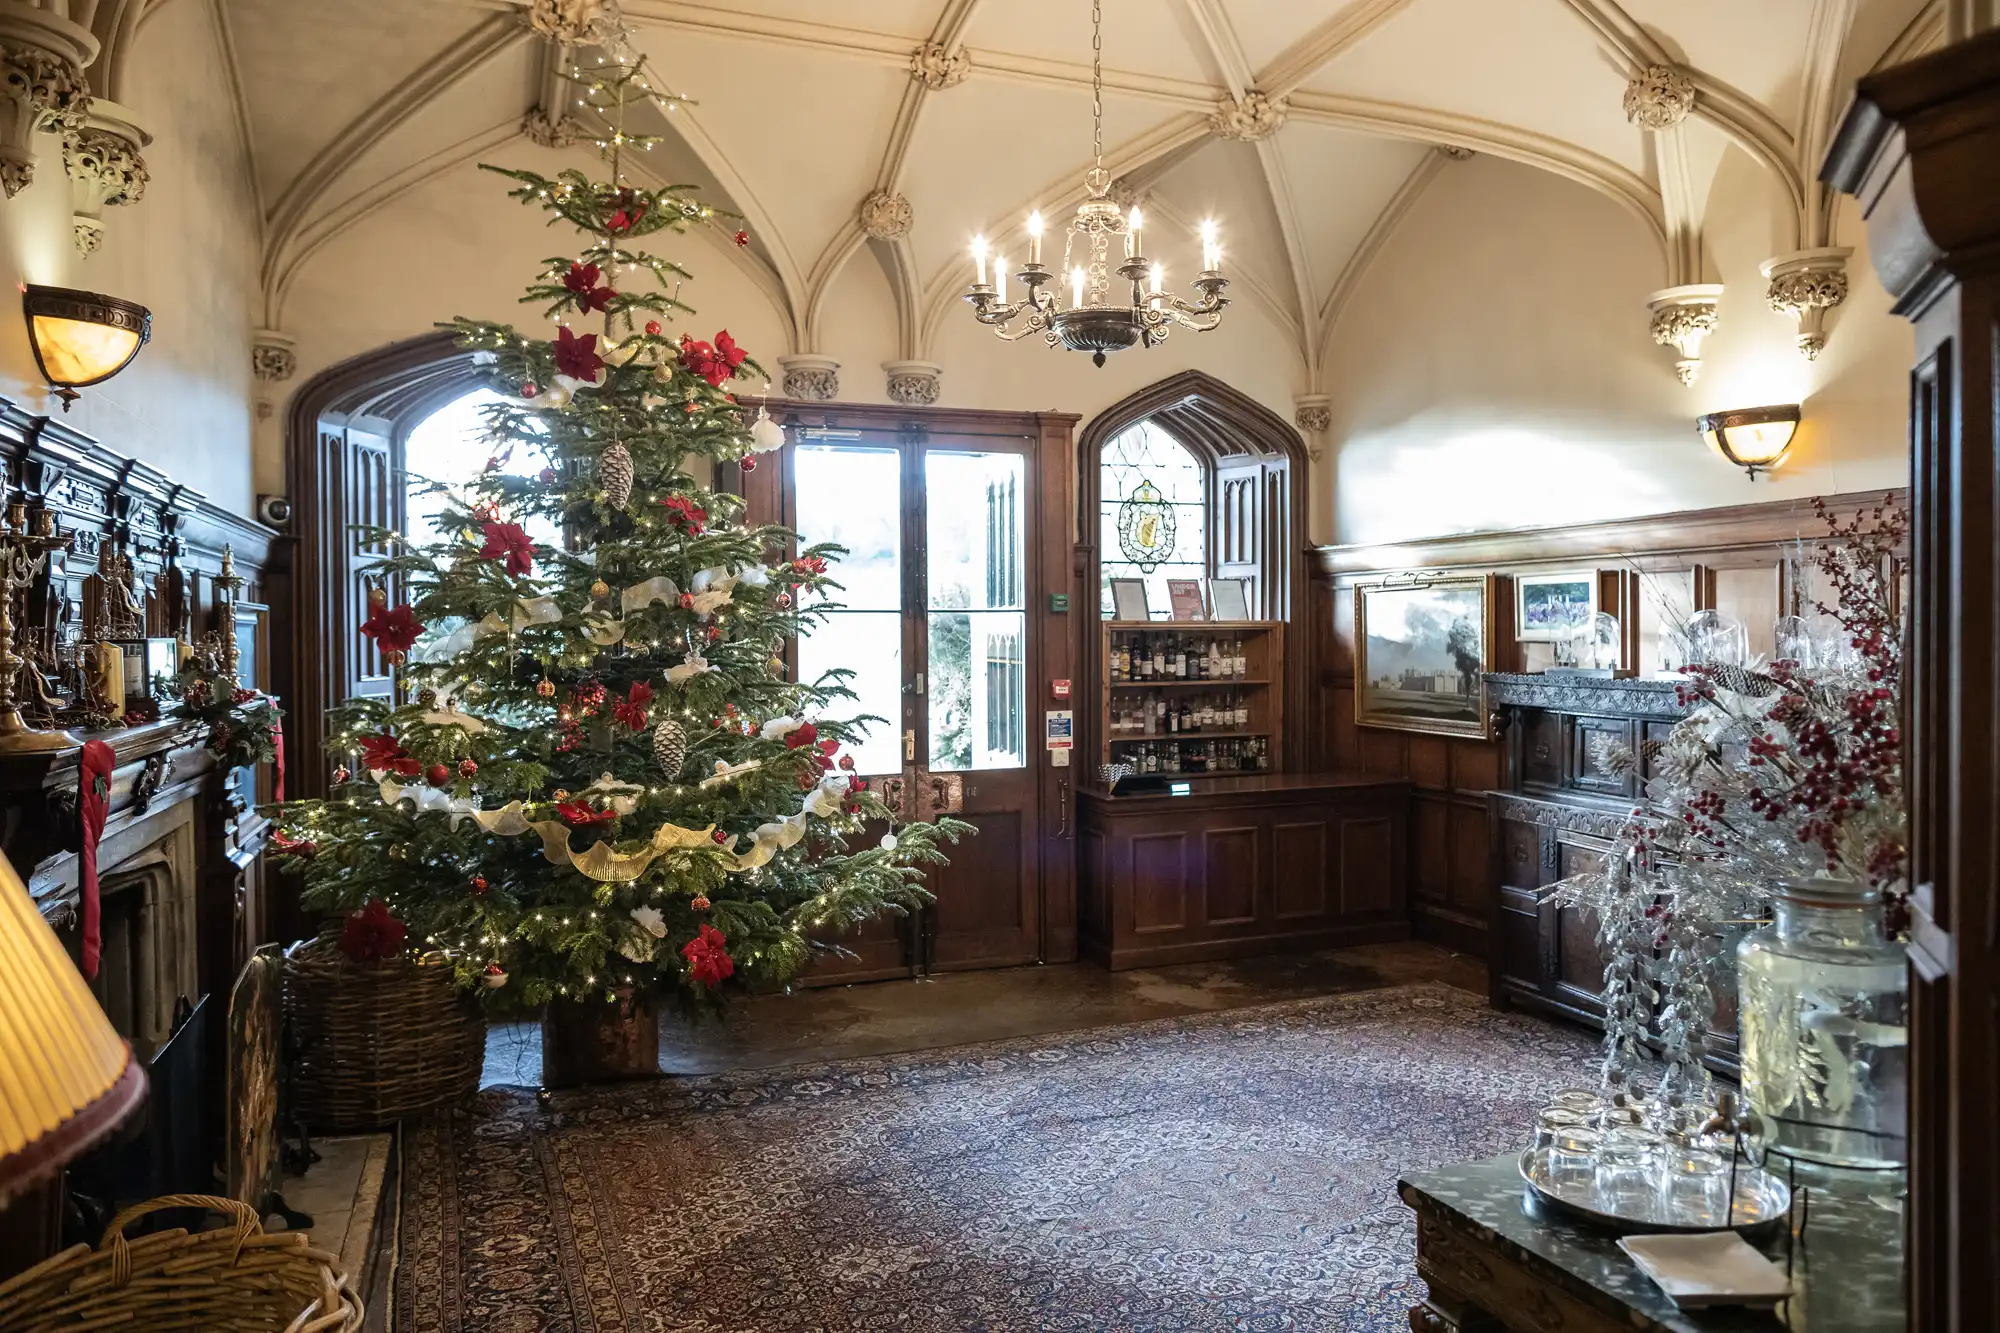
(597, 777)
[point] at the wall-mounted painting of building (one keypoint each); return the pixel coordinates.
(1552, 607)
(1422, 650)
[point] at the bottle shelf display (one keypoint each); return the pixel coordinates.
(1191, 698)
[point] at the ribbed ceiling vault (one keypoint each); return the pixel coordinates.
(1309, 127)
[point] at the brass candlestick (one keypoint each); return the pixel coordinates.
(229, 581)
(21, 556)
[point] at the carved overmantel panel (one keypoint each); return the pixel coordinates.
(164, 543)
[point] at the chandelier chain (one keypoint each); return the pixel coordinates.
(1097, 82)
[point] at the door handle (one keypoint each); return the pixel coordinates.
(910, 746)
(1062, 806)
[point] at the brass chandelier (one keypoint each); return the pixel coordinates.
(1093, 322)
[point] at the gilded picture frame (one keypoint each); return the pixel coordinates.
(1422, 648)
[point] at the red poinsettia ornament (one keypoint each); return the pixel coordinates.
(579, 815)
(631, 710)
(372, 934)
(709, 963)
(393, 630)
(686, 514)
(714, 362)
(581, 280)
(511, 541)
(801, 736)
(577, 357)
(383, 753)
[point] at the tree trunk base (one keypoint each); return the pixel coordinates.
(590, 1041)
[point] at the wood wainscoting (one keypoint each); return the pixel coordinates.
(1734, 560)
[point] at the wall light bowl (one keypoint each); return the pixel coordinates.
(1756, 439)
(82, 338)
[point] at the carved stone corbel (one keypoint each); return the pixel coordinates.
(913, 383)
(42, 59)
(1805, 285)
(1683, 317)
(557, 131)
(272, 359)
(810, 378)
(106, 167)
(1313, 414)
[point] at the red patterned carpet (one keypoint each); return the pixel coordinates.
(1231, 1171)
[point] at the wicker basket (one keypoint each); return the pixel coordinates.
(377, 1042)
(236, 1279)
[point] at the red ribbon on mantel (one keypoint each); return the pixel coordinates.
(95, 778)
(278, 762)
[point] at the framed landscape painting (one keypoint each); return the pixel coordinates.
(1550, 607)
(1421, 653)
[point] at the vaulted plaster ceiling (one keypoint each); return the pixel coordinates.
(802, 108)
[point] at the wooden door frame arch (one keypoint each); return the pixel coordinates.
(1219, 425)
(316, 625)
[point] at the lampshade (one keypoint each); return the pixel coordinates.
(1756, 439)
(66, 1078)
(82, 338)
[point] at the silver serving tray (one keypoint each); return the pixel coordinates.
(1761, 1198)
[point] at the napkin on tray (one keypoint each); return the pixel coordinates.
(1707, 1268)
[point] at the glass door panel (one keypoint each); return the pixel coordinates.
(853, 496)
(976, 621)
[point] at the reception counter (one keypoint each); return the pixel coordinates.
(1241, 865)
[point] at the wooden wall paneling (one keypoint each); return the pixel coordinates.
(1918, 147)
(1059, 644)
(1649, 570)
(1233, 879)
(1302, 870)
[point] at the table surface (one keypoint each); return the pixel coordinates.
(1247, 784)
(1847, 1268)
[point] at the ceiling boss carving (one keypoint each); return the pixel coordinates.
(937, 67)
(887, 216)
(1249, 118)
(570, 21)
(1659, 97)
(1805, 285)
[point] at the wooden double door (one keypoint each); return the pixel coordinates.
(936, 626)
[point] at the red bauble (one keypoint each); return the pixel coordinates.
(546, 476)
(714, 633)
(437, 775)
(479, 883)
(699, 902)
(687, 601)
(341, 773)
(747, 463)
(653, 328)
(743, 238)
(467, 769)
(719, 836)
(529, 389)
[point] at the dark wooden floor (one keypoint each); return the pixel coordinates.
(882, 1017)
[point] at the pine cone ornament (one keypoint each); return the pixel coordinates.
(614, 473)
(670, 748)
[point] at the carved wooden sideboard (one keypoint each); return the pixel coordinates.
(1557, 815)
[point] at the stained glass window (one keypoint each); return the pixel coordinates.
(1145, 454)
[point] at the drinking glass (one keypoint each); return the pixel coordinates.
(1627, 1183)
(1694, 1185)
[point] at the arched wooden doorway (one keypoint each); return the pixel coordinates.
(344, 438)
(1255, 505)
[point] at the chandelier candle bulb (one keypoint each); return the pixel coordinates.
(1211, 253)
(1035, 237)
(1076, 288)
(979, 258)
(1000, 275)
(1132, 250)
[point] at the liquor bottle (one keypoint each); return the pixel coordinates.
(1159, 658)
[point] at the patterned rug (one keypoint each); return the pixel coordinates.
(1232, 1171)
